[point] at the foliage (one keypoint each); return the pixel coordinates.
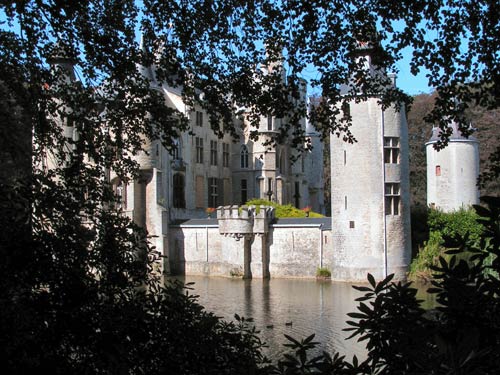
(462, 223)
(458, 224)
(323, 272)
(77, 290)
(461, 336)
(282, 210)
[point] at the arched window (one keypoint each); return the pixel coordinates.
(179, 200)
(244, 157)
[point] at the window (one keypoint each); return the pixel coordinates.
(244, 157)
(244, 191)
(391, 150)
(269, 192)
(200, 182)
(120, 190)
(225, 155)
(213, 152)
(177, 151)
(438, 170)
(392, 198)
(281, 163)
(212, 192)
(269, 122)
(179, 200)
(345, 202)
(297, 194)
(346, 110)
(160, 196)
(199, 150)
(345, 157)
(199, 118)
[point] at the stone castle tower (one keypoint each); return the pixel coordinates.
(453, 171)
(370, 191)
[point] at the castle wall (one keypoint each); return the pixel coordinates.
(295, 250)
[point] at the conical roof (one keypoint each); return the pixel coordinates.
(455, 136)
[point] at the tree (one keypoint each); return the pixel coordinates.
(72, 279)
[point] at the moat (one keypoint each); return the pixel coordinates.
(296, 307)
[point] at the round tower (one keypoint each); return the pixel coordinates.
(370, 192)
(453, 171)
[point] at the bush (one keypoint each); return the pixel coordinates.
(443, 228)
(281, 211)
(323, 272)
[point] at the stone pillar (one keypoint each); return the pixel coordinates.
(265, 257)
(260, 249)
(247, 257)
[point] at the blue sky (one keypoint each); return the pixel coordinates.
(409, 83)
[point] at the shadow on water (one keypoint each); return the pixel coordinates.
(285, 306)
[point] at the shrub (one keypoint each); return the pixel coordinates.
(443, 228)
(282, 211)
(323, 272)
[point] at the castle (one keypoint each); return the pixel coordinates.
(370, 226)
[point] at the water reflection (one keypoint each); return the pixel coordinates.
(285, 306)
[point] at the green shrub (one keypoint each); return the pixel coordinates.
(281, 211)
(323, 272)
(444, 227)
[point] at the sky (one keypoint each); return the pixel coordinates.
(410, 84)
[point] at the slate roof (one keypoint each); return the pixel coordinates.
(456, 134)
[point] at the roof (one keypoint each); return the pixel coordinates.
(324, 222)
(455, 136)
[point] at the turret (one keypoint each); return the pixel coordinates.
(61, 57)
(452, 172)
(370, 189)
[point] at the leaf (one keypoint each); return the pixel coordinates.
(383, 283)
(309, 338)
(371, 280)
(362, 288)
(364, 308)
(357, 315)
(290, 338)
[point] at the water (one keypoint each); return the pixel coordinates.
(308, 306)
